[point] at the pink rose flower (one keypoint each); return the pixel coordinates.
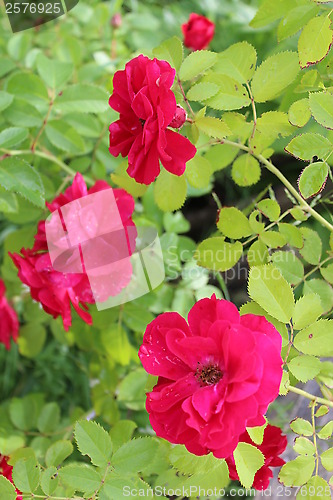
(9, 324)
(274, 443)
(55, 290)
(218, 373)
(142, 95)
(198, 32)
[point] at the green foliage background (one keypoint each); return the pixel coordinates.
(51, 380)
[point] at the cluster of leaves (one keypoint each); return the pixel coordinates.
(54, 120)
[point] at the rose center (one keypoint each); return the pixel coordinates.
(209, 374)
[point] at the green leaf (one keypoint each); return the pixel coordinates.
(295, 19)
(303, 446)
(131, 390)
(315, 41)
(28, 87)
(202, 91)
(58, 452)
(198, 172)
(313, 179)
(12, 136)
(327, 273)
(122, 432)
(187, 463)
(299, 113)
(7, 490)
(31, 339)
(327, 459)
(273, 239)
(23, 412)
(298, 471)
(248, 460)
(321, 288)
(238, 62)
(81, 477)
(322, 410)
(271, 11)
(306, 146)
(49, 480)
(292, 233)
(307, 310)
(6, 65)
(326, 431)
(94, 441)
(212, 126)
(304, 368)
(270, 209)
(257, 254)
(321, 104)
(22, 114)
(274, 75)
(82, 98)
(233, 223)
(285, 383)
(49, 418)
(10, 441)
(135, 455)
(176, 223)
(54, 73)
(172, 51)
(197, 62)
(257, 433)
(298, 214)
(289, 266)
(5, 100)
(316, 339)
(315, 487)
(231, 94)
(220, 156)
(216, 254)
(122, 179)
(18, 176)
(8, 202)
(271, 291)
(312, 247)
(64, 137)
(165, 184)
(26, 475)
(245, 170)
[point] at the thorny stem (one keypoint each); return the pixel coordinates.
(314, 435)
(314, 270)
(41, 130)
(307, 395)
(269, 165)
(253, 109)
(47, 156)
(184, 96)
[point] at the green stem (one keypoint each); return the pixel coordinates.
(269, 165)
(47, 156)
(307, 395)
(314, 436)
(223, 286)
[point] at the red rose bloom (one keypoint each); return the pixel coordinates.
(274, 443)
(217, 375)
(6, 471)
(9, 324)
(55, 290)
(198, 32)
(142, 95)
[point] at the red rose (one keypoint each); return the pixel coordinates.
(142, 95)
(198, 32)
(55, 290)
(217, 375)
(6, 471)
(274, 443)
(9, 324)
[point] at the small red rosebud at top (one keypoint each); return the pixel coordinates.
(179, 118)
(198, 32)
(116, 20)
